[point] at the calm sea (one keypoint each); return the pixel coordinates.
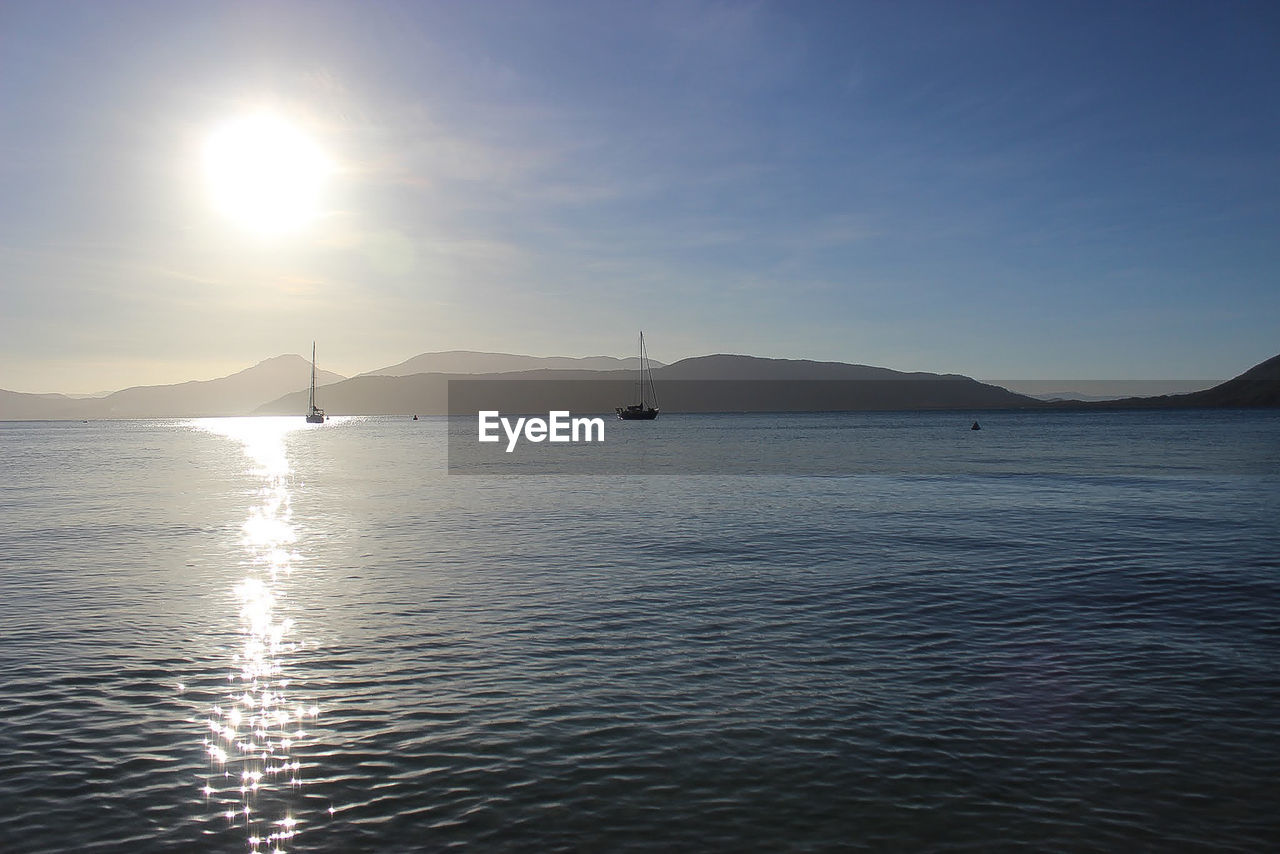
(1062, 632)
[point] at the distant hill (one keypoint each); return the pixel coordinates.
(727, 367)
(473, 362)
(1258, 387)
(1101, 389)
(720, 383)
(238, 394)
(18, 406)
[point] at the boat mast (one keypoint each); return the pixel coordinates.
(313, 377)
(644, 364)
(640, 372)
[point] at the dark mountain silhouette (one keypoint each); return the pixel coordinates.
(238, 394)
(18, 406)
(1101, 389)
(716, 383)
(474, 362)
(728, 383)
(1258, 387)
(720, 383)
(730, 367)
(423, 394)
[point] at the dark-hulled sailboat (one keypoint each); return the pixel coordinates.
(639, 411)
(315, 415)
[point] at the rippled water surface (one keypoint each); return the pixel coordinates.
(251, 635)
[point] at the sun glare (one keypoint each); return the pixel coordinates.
(265, 174)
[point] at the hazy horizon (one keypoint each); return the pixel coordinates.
(170, 375)
(1044, 387)
(1045, 191)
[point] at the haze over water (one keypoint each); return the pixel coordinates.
(322, 626)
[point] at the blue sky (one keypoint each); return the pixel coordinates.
(1005, 190)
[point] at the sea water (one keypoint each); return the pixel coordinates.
(1061, 631)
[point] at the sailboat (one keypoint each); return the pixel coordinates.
(315, 415)
(639, 411)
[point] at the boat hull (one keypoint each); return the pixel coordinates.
(636, 413)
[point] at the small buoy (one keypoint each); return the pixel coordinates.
(976, 426)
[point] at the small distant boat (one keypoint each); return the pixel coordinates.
(640, 411)
(976, 426)
(315, 415)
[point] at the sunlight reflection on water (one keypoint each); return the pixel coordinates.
(1076, 656)
(255, 731)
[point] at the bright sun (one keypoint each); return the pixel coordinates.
(265, 174)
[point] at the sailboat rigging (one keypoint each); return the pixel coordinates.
(315, 415)
(639, 411)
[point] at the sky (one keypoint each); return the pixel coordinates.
(1032, 190)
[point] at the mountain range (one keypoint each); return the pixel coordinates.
(238, 394)
(717, 383)
(473, 362)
